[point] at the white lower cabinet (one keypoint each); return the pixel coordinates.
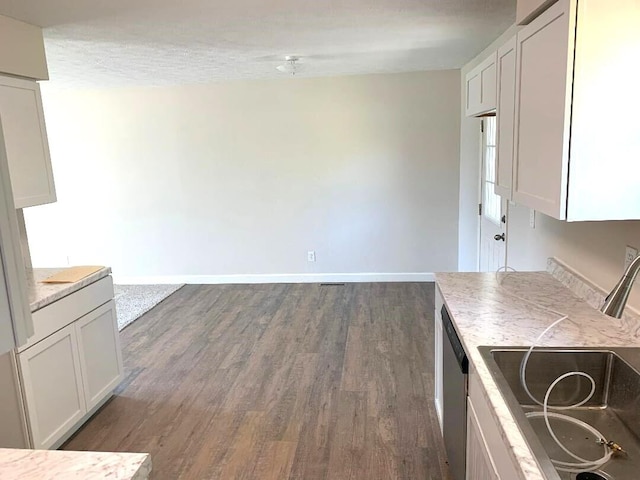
(52, 385)
(67, 375)
(100, 354)
(487, 457)
(479, 463)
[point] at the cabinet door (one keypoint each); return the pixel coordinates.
(605, 140)
(100, 354)
(543, 110)
(16, 324)
(505, 117)
(14, 431)
(479, 463)
(438, 356)
(481, 88)
(53, 386)
(26, 142)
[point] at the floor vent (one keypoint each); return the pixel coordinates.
(332, 284)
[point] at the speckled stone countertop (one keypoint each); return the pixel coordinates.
(43, 294)
(486, 311)
(58, 464)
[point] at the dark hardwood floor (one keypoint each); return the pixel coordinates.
(279, 382)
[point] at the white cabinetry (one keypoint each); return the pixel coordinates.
(479, 463)
(487, 457)
(53, 386)
(16, 324)
(505, 116)
(72, 364)
(22, 49)
(576, 142)
(543, 111)
(26, 142)
(480, 91)
(100, 354)
(527, 10)
(438, 333)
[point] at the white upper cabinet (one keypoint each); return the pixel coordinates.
(604, 171)
(505, 116)
(527, 10)
(26, 142)
(16, 323)
(22, 49)
(481, 88)
(577, 146)
(543, 110)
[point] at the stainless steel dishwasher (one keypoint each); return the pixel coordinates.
(455, 367)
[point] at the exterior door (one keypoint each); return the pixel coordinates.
(493, 209)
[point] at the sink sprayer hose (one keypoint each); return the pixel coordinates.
(582, 464)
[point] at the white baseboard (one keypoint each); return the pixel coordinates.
(275, 278)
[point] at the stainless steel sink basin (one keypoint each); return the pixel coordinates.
(614, 408)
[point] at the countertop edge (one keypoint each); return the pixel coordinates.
(36, 464)
(42, 295)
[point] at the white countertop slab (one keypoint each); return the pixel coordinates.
(58, 464)
(487, 313)
(43, 294)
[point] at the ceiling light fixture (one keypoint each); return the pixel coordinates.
(291, 66)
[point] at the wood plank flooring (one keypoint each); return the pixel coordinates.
(279, 382)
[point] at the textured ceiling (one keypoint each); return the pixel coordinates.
(93, 43)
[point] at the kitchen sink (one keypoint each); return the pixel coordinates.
(614, 409)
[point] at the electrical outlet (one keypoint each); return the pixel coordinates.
(311, 256)
(532, 218)
(630, 255)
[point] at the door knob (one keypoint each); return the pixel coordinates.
(497, 238)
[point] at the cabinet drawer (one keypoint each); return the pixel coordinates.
(61, 313)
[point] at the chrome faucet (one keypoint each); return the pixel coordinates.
(615, 302)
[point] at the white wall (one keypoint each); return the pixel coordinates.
(243, 178)
(594, 249)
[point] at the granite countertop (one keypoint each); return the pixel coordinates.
(43, 294)
(59, 464)
(488, 313)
